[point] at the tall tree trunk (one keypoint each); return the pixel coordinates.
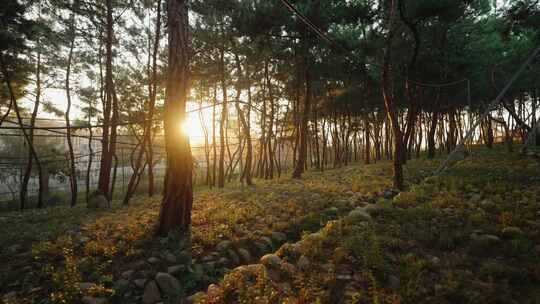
(13, 101)
(223, 121)
(146, 144)
(107, 154)
(325, 143)
(30, 140)
(391, 108)
(269, 174)
(367, 146)
(177, 201)
(214, 149)
(431, 134)
(90, 155)
(451, 131)
(152, 103)
(303, 127)
(489, 132)
(114, 174)
(73, 172)
(206, 145)
(246, 170)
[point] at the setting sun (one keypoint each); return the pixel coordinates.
(193, 128)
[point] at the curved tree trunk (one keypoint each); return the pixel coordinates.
(146, 145)
(73, 172)
(391, 108)
(32, 151)
(222, 123)
(106, 151)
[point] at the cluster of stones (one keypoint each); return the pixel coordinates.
(155, 279)
(278, 270)
(288, 259)
(144, 279)
(364, 212)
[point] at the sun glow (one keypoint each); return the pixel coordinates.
(192, 127)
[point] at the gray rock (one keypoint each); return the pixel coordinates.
(489, 237)
(279, 237)
(267, 241)
(97, 201)
(271, 261)
(274, 274)
(207, 258)
(171, 258)
(360, 214)
(512, 232)
(184, 257)
(303, 263)
(435, 261)
(147, 273)
(122, 283)
(15, 248)
(168, 284)
(151, 293)
(394, 282)
(475, 197)
(127, 274)
(223, 261)
(288, 267)
(484, 241)
(139, 283)
(487, 204)
(390, 193)
(92, 300)
(262, 247)
(141, 265)
(210, 266)
(244, 255)
(153, 260)
(224, 245)
(344, 277)
(233, 256)
(372, 208)
(86, 286)
(10, 294)
(175, 269)
(537, 249)
(332, 211)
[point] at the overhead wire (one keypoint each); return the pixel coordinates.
(331, 41)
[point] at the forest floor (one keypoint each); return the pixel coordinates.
(471, 235)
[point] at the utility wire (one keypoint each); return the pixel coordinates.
(332, 42)
(448, 161)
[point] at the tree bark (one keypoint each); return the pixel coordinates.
(367, 146)
(146, 145)
(30, 140)
(222, 123)
(13, 102)
(246, 170)
(177, 201)
(391, 108)
(73, 172)
(151, 106)
(107, 154)
(303, 126)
